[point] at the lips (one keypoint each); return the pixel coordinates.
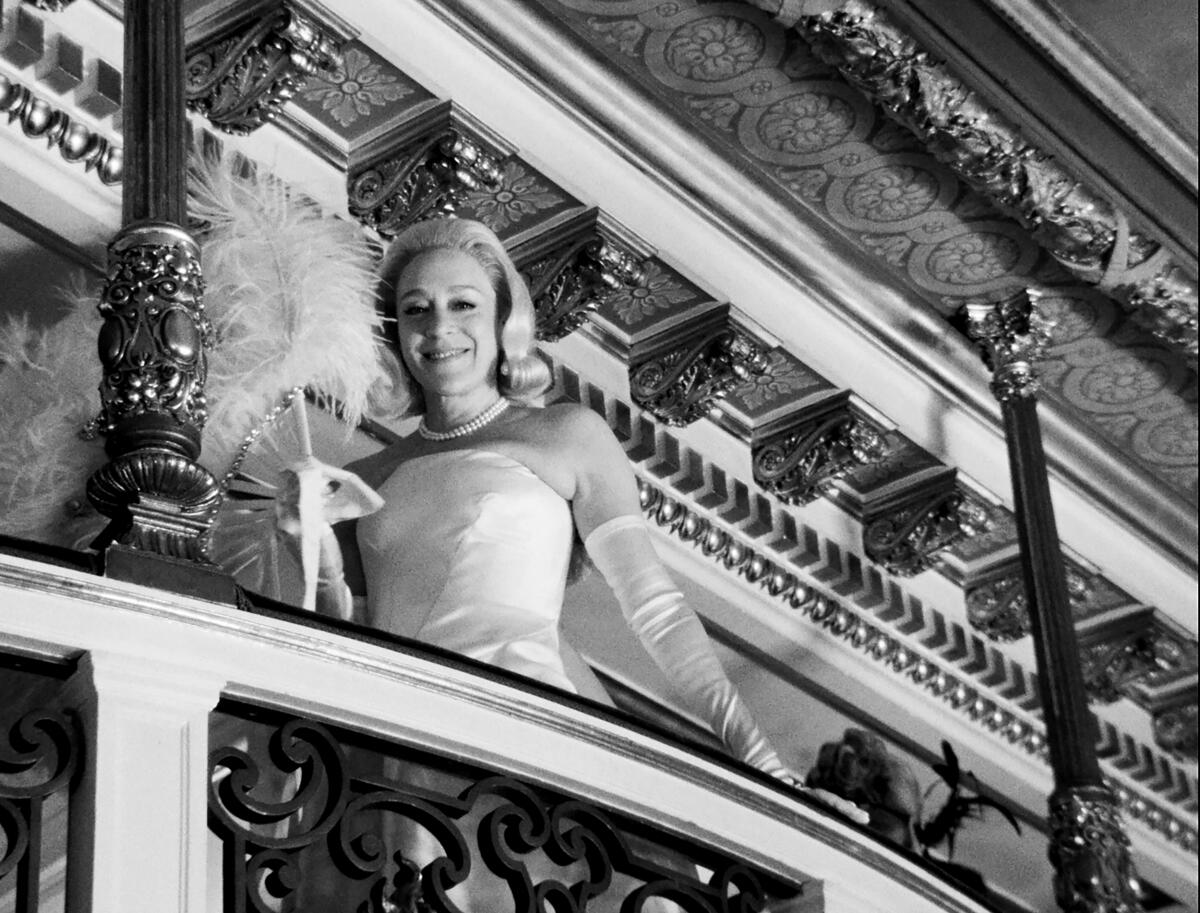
(443, 354)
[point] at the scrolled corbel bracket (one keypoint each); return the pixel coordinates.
(680, 382)
(906, 532)
(241, 77)
(423, 170)
(818, 445)
(571, 270)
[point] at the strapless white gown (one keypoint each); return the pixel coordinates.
(470, 553)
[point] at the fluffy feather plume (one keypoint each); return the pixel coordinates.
(48, 381)
(290, 293)
(291, 297)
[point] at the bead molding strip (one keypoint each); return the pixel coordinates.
(39, 119)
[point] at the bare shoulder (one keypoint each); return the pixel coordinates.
(574, 422)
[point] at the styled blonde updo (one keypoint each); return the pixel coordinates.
(522, 374)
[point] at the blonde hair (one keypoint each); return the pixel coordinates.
(523, 375)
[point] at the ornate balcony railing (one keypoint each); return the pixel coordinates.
(255, 758)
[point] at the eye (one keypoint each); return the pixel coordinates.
(462, 304)
(413, 309)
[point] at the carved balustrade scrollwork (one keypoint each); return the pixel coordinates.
(904, 533)
(818, 446)
(427, 176)
(414, 832)
(38, 760)
(240, 80)
(684, 381)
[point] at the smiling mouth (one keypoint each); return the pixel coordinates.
(443, 356)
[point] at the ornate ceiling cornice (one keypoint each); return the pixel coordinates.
(754, 540)
(1086, 233)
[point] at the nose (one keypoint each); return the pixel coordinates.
(441, 322)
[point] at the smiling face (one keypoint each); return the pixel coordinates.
(446, 318)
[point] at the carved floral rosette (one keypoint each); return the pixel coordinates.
(568, 284)
(241, 81)
(155, 331)
(1090, 853)
(999, 608)
(428, 178)
(685, 383)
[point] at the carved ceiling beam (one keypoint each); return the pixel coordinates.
(1086, 233)
(680, 375)
(571, 269)
(241, 76)
(998, 607)
(423, 168)
(801, 457)
(906, 529)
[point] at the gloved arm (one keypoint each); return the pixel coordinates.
(313, 496)
(673, 635)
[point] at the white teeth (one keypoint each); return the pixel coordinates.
(442, 356)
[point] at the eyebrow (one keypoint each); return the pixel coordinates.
(453, 288)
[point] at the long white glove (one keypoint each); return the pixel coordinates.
(675, 638)
(672, 634)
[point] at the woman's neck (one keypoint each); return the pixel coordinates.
(443, 413)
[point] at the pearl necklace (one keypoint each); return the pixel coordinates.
(486, 417)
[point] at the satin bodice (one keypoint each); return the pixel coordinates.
(470, 552)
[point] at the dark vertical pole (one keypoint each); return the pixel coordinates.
(155, 332)
(1088, 846)
(153, 115)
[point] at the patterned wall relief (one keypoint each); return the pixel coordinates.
(361, 95)
(761, 92)
(521, 199)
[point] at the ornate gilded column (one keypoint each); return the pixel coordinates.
(155, 331)
(1088, 846)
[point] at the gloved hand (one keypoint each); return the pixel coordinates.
(312, 497)
(673, 635)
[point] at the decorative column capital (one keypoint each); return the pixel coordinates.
(571, 272)
(426, 172)
(684, 382)
(904, 534)
(818, 445)
(1012, 336)
(240, 80)
(1090, 853)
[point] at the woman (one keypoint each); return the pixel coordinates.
(482, 504)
